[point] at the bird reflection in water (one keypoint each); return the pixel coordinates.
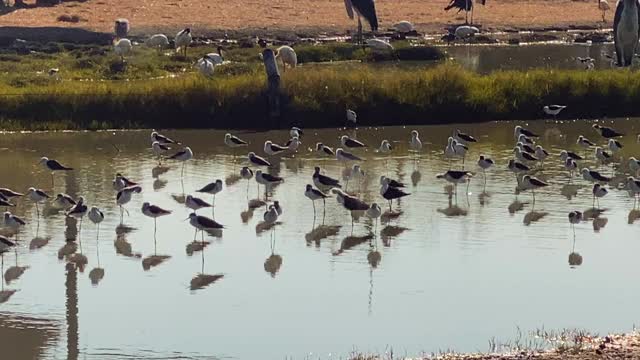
(352, 241)
(317, 234)
(390, 232)
(79, 259)
(97, 273)
(452, 210)
(534, 216)
(570, 191)
(273, 263)
(416, 176)
(38, 242)
(633, 216)
(122, 246)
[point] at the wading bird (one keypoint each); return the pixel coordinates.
(53, 166)
(267, 180)
(574, 218)
(154, 212)
(485, 163)
(183, 155)
(456, 177)
(594, 176)
(273, 149)
(362, 8)
(323, 182)
(246, 174)
(531, 183)
(183, 40)
(158, 41)
(403, 27)
(124, 197)
(607, 132)
(351, 143)
(598, 191)
(519, 130)
(352, 117)
(120, 182)
(344, 156)
(625, 31)
(64, 201)
(541, 153)
(216, 58)
(159, 150)
(162, 139)
(195, 203)
(96, 216)
(37, 196)
(391, 193)
(350, 203)
(212, 189)
(257, 160)
(313, 195)
(324, 150)
(614, 145)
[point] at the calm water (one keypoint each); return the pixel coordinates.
(449, 277)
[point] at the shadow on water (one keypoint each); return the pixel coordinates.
(534, 216)
(391, 232)
(321, 232)
(350, 242)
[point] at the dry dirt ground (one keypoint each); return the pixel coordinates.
(303, 15)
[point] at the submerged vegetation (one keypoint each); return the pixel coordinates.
(164, 90)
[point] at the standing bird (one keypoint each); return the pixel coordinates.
(350, 203)
(461, 5)
(203, 223)
(570, 165)
(324, 150)
(603, 5)
(614, 145)
(574, 218)
(313, 195)
(531, 183)
(351, 143)
(64, 201)
(183, 40)
(607, 132)
(352, 117)
(120, 182)
(267, 180)
(53, 166)
(273, 149)
(323, 182)
(96, 216)
(257, 160)
(8, 193)
(12, 221)
(195, 203)
(598, 191)
(519, 130)
(485, 163)
(78, 211)
(288, 57)
(584, 142)
(373, 213)
(541, 153)
(216, 58)
(246, 173)
(463, 138)
(37, 196)
(553, 110)
(403, 27)
(415, 144)
(233, 141)
(362, 8)
(345, 156)
(182, 155)
(159, 150)
(634, 166)
(154, 212)
(594, 176)
(206, 66)
(626, 31)
(158, 41)
(212, 189)
(602, 156)
(390, 193)
(564, 155)
(162, 139)
(122, 48)
(456, 177)
(124, 196)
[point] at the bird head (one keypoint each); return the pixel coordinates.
(31, 190)
(585, 171)
(218, 182)
(258, 173)
(316, 170)
(319, 146)
(191, 216)
(339, 151)
(309, 187)
(344, 138)
(145, 205)
(596, 126)
(227, 136)
(43, 160)
(526, 178)
(7, 214)
(251, 154)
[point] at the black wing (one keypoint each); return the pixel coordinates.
(158, 210)
(55, 165)
(319, 193)
(596, 175)
(208, 223)
(537, 182)
(5, 203)
(207, 188)
(271, 178)
(353, 143)
(42, 193)
(395, 184)
(328, 181)
(329, 151)
(394, 193)
(528, 133)
(238, 141)
(353, 204)
(258, 160)
(574, 156)
(367, 8)
(455, 174)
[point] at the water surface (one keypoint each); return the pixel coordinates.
(449, 276)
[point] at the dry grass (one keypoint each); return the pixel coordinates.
(294, 15)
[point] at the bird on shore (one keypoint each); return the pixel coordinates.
(463, 138)
(37, 196)
(594, 176)
(351, 143)
(183, 155)
(379, 44)
(461, 5)
(6, 203)
(53, 166)
(212, 189)
(625, 31)
(403, 27)
(164, 140)
(203, 223)
(465, 32)
(391, 193)
(206, 66)
(607, 132)
(183, 40)
(195, 203)
(345, 156)
(154, 212)
(288, 56)
(216, 57)
(324, 150)
(391, 182)
(598, 191)
(553, 110)
(519, 130)
(313, 195)
(257, 160)
(122, 48)
(365, 9)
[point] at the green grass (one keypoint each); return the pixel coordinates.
(165, 91)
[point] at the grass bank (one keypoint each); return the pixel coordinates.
(165, 91)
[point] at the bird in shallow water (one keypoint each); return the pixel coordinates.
(519, 130)
(183, 155)
(594, 176)
(531, 183)
(203, 223)
(485, 163)
(598, 191)
(313, 195)
(351, 143)
(391, 193)
(607, 132)
(53, 166)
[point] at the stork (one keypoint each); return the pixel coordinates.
(362, 8)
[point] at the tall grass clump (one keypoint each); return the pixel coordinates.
(312, 96)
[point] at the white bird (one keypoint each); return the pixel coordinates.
(206, 67)
(123, 197)
(379, 44)
(465, 31)
(183, 155)
(273, 149)
(37, 196)
(13, 221)
(158, 41)
(288, 56)
(614, 145)
(584, 142)
(233, 141)
(553, 110)
(415, 143)
(352, 117)
(459, 150)
(122, 48)
(403, 27)
(598, 191)
(158, 150)
(183, 40)
(296, 132)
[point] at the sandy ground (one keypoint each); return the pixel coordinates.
(303, 15)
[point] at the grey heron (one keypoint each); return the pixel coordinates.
(362, 8)
(626, 31)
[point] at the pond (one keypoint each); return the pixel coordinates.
(454, 271)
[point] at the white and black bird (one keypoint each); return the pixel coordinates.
(12, 221)
(517, 168)
(120, 182)
(257, 160)
(523, 156)
(634, 166)
(575, 217)
(565, 154)
(519, 130)
(351, 143)
(267, 180)
(273, 149)
(206, 66)
(183, 155)
(456, 177)
(159, 150)
(385, 147)
(195, 203)
(313, 195)
(122, 48)
(594, 176)
(324, 150)
(37, 196)
(96, 216)
(212, 189)
(278, 207)
(584, 142)
(607, 132)
(271, 215)
(79, 210)
(525, 147)
(233, 141)
(598, 191)
(296, 132)
(158, 41)
(350, 203)
(626, 30)
(6, 244)
(553, 110)
(485, 163)
(247, 174)
(183, 40)
(464, 138)
(525, 140)
(390, 182)
(64, 201)
(614, 145)
(203, 223)
(288, 56)
(53, 166)
(602, 156)
(124, 196)
(155, 136)
(415, 144)
(154, 211)
(8, 193)
(391, 193)
(540, 153)
(323, 182)
(570, 165)
(6, 203)
(345, 156)
(531, 183)
(293, 144)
